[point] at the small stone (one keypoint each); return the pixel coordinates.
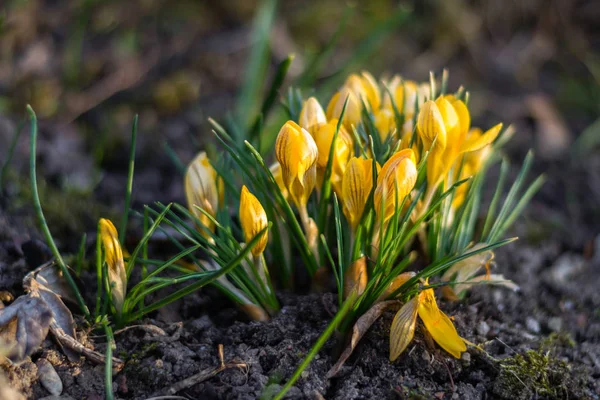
(465, 358)
(555, 324)
(63, 397)
(482, 328)
(566, 266)
(49, 378)
(304, 374)
(532, 325)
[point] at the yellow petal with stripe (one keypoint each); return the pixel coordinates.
(402, 330)
(439, 326)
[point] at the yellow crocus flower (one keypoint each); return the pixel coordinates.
(312, 116)
(201, 189)
(357, 185)
(385, 122)
(398, 173)
(357, 89)
(114, 259)
(447, 120)
(341, 153)
(439, 326)
(297, 154)
(253, 219)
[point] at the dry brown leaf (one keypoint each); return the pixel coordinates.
(360, 328)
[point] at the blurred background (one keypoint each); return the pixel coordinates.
(88, 66)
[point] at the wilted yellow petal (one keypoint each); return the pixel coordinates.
(357, 184)
(439, 326)
(312, 116)
(297, 154)
(402, 330)
(114, 259)
(430, 125)
(476, 142)
(398, 173)
(355, 277)
(253, 220)
(201, 189)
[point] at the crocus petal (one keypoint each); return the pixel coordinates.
(395, 284)
(355, 277)
(312, 116)
(430, 125)
(357, 185)
(253, 219)
(477, 142)
(402, 330)
(398, 173)
(113, 254)
(297, 154)
(492, 279)
(201, 189)
(439, 326)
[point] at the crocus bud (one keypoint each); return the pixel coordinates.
(312, 116)
(430, 125)
(358, 89)
(113, 255)
(355, 277)
(353, 112)
(341, 152)
(297, 154)
(385, 122)
(356, 188)
(396, 180)
(405, 96)
(253, 219)
(201, 189)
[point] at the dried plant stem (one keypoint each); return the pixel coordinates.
(205, 374)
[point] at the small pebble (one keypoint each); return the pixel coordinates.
(49, 378)
(555, 324)
(532, 325)
(482, 328)
(466, 359)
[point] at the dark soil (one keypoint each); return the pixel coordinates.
(540, 342)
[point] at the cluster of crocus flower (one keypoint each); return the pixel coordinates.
(423, 137)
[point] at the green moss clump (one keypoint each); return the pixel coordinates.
(534, 374)
(557, 340)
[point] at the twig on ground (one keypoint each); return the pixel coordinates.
(74, 345)
(204, 374)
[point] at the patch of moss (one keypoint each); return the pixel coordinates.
(534, 374)
(556, 340)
